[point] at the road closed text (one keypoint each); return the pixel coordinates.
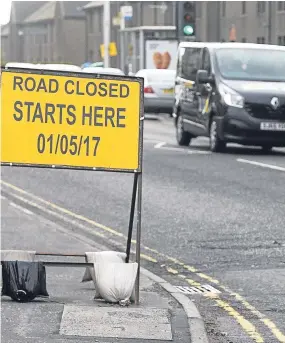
(72, 87)
(90, 120)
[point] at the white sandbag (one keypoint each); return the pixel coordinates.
(101, 257)
(18, 255)
(115, 281)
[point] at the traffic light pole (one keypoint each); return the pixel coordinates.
(106, 32)
(177, 21)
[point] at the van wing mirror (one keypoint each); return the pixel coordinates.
(203, 77)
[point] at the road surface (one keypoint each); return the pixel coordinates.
(208, 219)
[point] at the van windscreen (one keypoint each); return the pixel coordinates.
(251, 64)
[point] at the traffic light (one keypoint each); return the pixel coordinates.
(186, 19)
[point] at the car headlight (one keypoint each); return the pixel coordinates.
(231, 97)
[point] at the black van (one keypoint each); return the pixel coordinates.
(232, 93)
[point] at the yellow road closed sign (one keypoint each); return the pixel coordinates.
(63, 119)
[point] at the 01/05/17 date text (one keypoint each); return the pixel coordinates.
(71, 145)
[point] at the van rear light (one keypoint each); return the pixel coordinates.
(148, 90)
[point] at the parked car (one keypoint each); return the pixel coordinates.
(19, 65)
(97, 64)
(232, 93)
(61, 67)
(158, 90)
(100, 70)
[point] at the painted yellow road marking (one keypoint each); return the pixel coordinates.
(276, 332)
(266, 321)
(248, 327)
(61, 209)
(191, 269)
(193, 283)
(172, 271)
(148, 258)
(207, 277)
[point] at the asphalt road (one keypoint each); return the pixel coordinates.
(215, 219)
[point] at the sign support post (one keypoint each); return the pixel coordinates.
(138, 245)
(131, 221)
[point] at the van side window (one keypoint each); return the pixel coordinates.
(190, 63)
(207, 61)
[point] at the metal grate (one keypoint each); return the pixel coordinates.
(197, 289)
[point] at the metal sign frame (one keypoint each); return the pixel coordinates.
(137, 183)
(85, 76)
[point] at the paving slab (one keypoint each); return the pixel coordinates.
(147, 323)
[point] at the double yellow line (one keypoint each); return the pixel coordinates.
(247, 326)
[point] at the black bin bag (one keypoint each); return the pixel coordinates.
(23, 281)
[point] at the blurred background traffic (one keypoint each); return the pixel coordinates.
(139, 34)
(130, 38)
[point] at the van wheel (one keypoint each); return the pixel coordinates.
(216, 144)
(183, 137)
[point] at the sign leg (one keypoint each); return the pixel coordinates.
(138, 246)
(131, 221)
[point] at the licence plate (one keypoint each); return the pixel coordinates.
(168, 91)
(272, 126)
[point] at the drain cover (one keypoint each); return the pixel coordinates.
(203, 289)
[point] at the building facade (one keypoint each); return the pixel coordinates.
(73, 31)
(11, 33)
(243, 21)
(255, 21)
(55, 33)
(50, 32)
(4, 44)
(155, 19)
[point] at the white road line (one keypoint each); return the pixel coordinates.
(185, 151)
(149, 140)
(263, 165)
(173, 149)
(199, 152)
(2, 197)
(280, 150)
(159, 145)
(21, 208)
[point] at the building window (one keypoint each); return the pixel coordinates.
(260, 40)
(224, 8)
(243, 7)
(261, 6)
(281, 6)
(243, 40)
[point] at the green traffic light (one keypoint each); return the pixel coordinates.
(188, 30)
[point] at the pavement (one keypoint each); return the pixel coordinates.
(213, 225)
(70, 314)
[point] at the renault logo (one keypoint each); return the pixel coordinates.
(274, 103)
